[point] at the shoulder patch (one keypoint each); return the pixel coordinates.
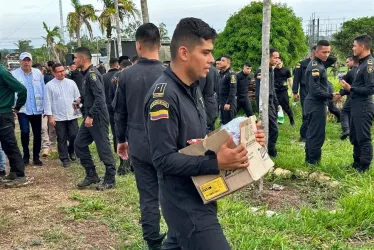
(259, 76)
(370, 68)
(93, 76)
(315, 72)
(158, 115)
(159, 102)
(314, 63)
(233, 79)
(159, 91)
(298, 65)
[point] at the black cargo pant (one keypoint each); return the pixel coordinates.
(304, 126)
(66, 131)
(362, 115)
(98, 133)
(194, 225)
(9, 144)
(244, 103)
(227, 115)
(112, 126)
(345, 116)
(284, 101)
(315, 112)
(333, 110)
(273, 130)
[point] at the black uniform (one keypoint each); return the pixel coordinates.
(273, 107)
(227, 95)
(300, 80)
(94, 104)
(207, 87)
(281, 89)
(77, 77)
(134, 83)
(315, 110)
(346, 111)
(243, 101)
(174, 113)
(362, 113)
(330, 104)
(108, 84)
(101, 69)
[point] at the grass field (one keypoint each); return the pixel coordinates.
(308, 214)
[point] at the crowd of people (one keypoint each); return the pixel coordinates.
(153, 111)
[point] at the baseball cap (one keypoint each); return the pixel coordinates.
(24, 55)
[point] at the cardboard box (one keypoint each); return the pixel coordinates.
(213, 187)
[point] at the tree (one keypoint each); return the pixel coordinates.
(40, 55)
(342, 41)
(241, 37)
(61, 51)
(3, 54)
(163, 32)
(126, 8)
(50, 40)
(24, 46)
(144, 7)
(83, 14)
(130, 29)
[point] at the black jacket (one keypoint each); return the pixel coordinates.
(242, 85)
(318, 87)
(273, 100)
(107, 78)
(280, 79)
(363, 84)
(227, 87)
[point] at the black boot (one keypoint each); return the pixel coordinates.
(123, 168)
(156, 244)
(363, 168)
(108, 183)
(91, 178)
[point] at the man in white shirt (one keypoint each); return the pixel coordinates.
(61, 105)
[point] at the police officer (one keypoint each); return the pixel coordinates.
(174, 113)
(282, 76)
(207, 87)
(133, 85)
(273, 102)
(244, 79)
(352, 63)
(227, 90)
(331, 105)
(362, 107)
(95, 126)
(315, 103)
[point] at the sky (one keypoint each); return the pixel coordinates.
(22, 19)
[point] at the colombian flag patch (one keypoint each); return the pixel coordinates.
(161, 114)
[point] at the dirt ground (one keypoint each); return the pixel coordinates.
(32, 217)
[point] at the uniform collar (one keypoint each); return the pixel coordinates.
(111, 70)
(363, 59)
(143, 60)
(179, 82)
(227, 70)
(85, 72)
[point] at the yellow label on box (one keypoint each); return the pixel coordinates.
(213, 188)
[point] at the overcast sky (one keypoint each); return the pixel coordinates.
(22, 19)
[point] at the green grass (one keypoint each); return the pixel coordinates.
(312, 225)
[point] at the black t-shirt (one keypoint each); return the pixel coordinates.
(280, 78)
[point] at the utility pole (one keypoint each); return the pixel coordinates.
(119, 42)
(62, 24)
(317, 29)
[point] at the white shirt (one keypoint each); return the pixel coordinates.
(58, 99)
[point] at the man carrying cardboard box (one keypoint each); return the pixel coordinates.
(174, 113)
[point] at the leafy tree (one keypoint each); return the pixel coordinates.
(128, 33)
(241, 37)
(163, 32)
(342, 41)
(126, 8)
(3, 53)
(83, 14)
(40, 55)
(50, 40)
(24, 46)
(94, 45)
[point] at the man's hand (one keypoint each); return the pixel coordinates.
(336, 97)
(123, 150)
(15, 111)
(51, 121)
(295, 97)
(88, 122)
(232, 158)
(345, 85)
(78, 101)
(227, 107)
(259, 134)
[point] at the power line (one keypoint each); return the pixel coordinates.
(28, 21)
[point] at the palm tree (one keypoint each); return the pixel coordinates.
(163, 33)
(144, 7)
(61, 51)
(82, 14)
(24, 46)
(50, 40)
(126, 8)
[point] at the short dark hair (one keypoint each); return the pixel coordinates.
(113, 62)
(149, 35)
(353, 58)
(56, 65)
(134, 59)
(323, 43)
(219, 58)
(364, 40)
(50, 63)
(227, 57)
(272, 51)
(122, 58)
(73, 63)
(248, 64)
(314, 47)
(84, 51)
(124, 64)
(189, 32)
